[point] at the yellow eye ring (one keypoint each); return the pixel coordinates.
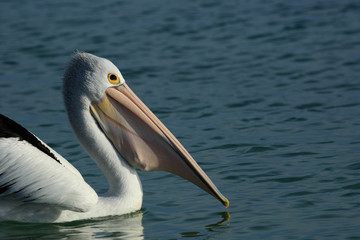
(113, 78)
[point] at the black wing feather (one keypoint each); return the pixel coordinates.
(11, 129)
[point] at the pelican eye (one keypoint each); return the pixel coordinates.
(113, 78)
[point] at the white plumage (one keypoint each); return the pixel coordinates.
(38, 185)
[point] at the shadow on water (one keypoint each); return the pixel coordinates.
(129, 226)
(218, 227)
(119, 227)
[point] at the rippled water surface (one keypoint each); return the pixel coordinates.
(264, 94)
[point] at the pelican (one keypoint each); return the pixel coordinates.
(119, 133)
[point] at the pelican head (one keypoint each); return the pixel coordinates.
(134, 131)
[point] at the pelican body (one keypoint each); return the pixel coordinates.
(119, 133)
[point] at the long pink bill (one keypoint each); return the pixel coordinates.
(144, 142)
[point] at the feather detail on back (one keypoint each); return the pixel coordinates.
(30, 171)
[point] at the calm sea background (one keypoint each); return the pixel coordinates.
(264, 94)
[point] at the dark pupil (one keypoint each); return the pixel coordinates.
(113, 77)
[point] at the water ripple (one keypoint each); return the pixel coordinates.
(263, 94)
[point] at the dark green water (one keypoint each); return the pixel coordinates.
(264, 94)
